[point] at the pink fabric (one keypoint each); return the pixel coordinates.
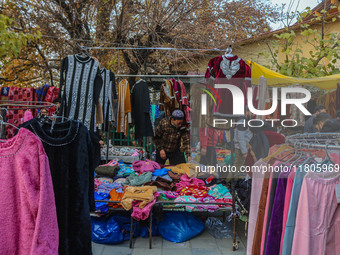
(27, 206)
(256, 188)
(142, 166)
(289, 189)
(263, 238)
(186, 181)
(28, 116)
(51, 95)
(143, 214)
(317, 228)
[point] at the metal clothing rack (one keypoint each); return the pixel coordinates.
(233, 195)
(328, 141)
(20, 105)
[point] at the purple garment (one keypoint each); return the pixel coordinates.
(275, 226)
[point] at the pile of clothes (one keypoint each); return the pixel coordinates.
(139, 185)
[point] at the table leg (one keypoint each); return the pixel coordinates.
(131, 232)
(150, 230)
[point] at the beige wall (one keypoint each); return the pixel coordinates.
(260, 52)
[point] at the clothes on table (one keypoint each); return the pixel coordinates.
(138, 180)
(186, 181)
(160, 172)
(199, 207)
(144, 194)
(219, 191)
(162, 183)
(193, 190)
(125, 170)
(116, 195)
(142, 166)
(185, 168)
(143, 213)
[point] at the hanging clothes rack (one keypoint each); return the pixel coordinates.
(20, 105)
(329, 141)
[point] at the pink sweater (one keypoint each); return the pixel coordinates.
(27, 207)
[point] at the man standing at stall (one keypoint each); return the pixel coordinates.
(170, 135)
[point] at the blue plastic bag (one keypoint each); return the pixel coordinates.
(124, 223)
(155, 229)
(180, 226)
(106, 231)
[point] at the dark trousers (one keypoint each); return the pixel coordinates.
(210, 158)
(175, 158)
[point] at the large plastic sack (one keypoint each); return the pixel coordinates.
(218, 229)
(124, 223)
(180, 226)
(155, 229)
(106, 231)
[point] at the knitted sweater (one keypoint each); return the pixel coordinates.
(27, 206)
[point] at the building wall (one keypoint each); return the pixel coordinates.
(260, 52)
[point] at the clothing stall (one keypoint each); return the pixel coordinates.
(294, 207)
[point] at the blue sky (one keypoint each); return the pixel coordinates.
(299, 5)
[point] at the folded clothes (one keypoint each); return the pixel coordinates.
(138, 180)
(107, 170)
(144, 194)
(162, 184)
(142, 166)
(199, 207)
(125, 170)
(123, 151)
(171, 194)
(107, 187)
(194, 191)
(219, 191)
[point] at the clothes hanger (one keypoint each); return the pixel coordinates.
(2, 122)
(293, 158)
(228, 53)
(309, 159)
(83, 52)
(327, 158)
(295, 154)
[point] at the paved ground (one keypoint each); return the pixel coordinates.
(203, 244)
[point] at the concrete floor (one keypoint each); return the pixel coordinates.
(204, 244)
